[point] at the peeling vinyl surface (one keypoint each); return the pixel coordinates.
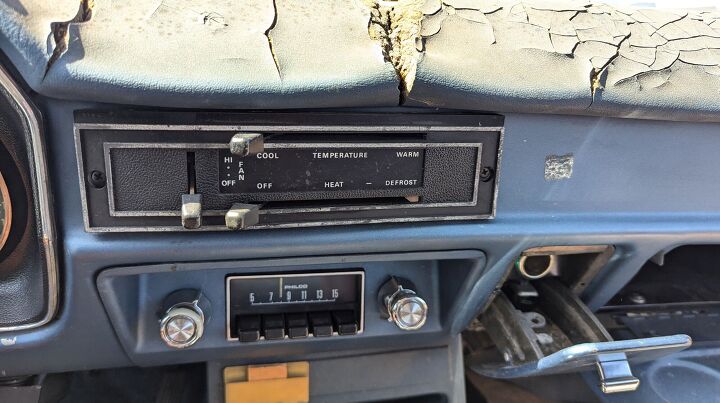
(396, 25)
(572, 57)
(199, 53)
(60, 35)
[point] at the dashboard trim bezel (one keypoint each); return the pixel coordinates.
(78, 126)
(42, 198)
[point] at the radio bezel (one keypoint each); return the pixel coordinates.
(230, 278)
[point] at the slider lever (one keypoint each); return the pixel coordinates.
(241, 216)
(244, 144)
(191, 211)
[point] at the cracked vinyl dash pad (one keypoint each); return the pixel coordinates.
(573, 57)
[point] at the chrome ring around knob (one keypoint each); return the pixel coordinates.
(182, 326)
(410, 313)
(406, 309)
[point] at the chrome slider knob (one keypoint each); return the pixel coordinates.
(406, 309)
(241, 216)
(191, 211)
(182, 325)
(244, 144)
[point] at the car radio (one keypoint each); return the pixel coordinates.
(294, 306)
(219, 171)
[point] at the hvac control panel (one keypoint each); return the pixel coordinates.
(307, 168)
(230, 171)
(280, 306)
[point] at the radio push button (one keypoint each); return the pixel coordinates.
(321, 324)
(297, 325)
(248, 327)
(273, 327)
(345, 322)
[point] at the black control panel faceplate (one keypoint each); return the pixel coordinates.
(278, 306)
(414, 167)
(308, 167)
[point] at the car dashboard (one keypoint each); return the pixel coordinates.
(374, 201)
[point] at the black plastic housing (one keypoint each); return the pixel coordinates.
(151, 159)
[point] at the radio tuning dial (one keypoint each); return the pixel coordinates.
(183, 323)
(403, 306)
(181, 327)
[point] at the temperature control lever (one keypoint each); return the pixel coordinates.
(401, 305)
(241, 216)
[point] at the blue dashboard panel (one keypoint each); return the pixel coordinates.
(595, 128)
(131, 296)
(630, 186)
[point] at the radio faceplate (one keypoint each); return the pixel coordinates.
(310, 171)
(320, 304)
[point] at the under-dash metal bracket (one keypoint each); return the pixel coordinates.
(611, 358)
(585, 345)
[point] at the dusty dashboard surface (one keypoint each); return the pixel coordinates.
(572, 57)
(418, 191)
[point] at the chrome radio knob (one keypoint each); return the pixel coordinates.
(183, 323)
(181, 327)
(403, 306)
